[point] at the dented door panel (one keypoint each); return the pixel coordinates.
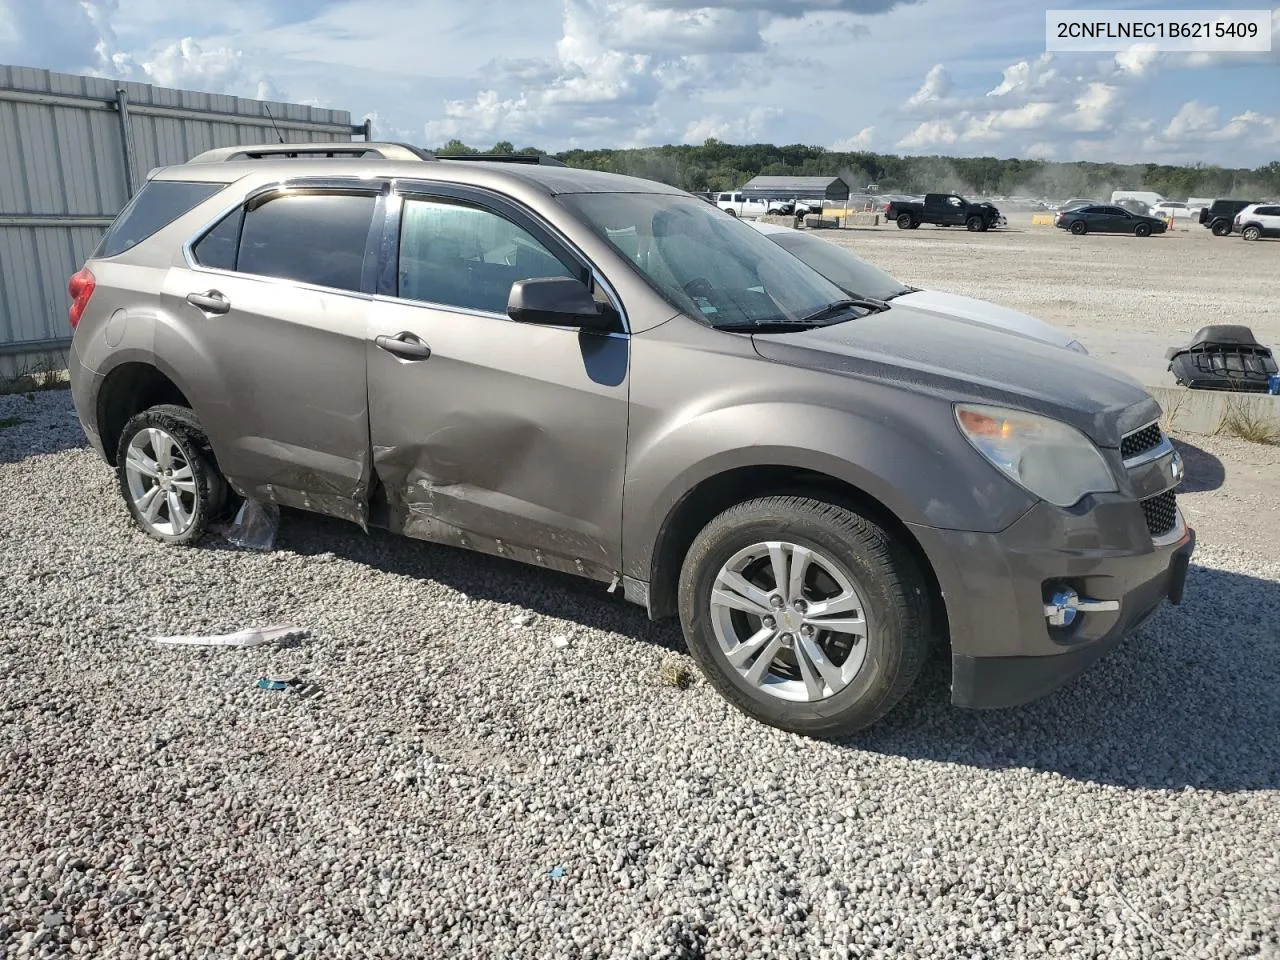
(510, 438)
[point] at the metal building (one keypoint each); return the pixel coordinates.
(74, 149)
(830, 189)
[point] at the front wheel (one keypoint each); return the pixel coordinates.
(1142, 230)
(732, 213)
(1251, 233)
(167, 475)
(1079, 228)
(975, 223)
(804, 615)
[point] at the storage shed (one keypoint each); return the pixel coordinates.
(830, 189)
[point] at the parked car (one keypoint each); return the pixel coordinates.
(1220, 215)
(1077, 202)
(944, 210)
(739, 205)
(1148, 198)
(1258, 220)
(488, 354)
(1107, 219)
(858, 278)
(1175, 209)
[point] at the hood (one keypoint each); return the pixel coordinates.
(959, 361)
(980, 313)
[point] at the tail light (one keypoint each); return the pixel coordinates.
(81, 288)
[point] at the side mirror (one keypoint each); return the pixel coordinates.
(559, 302)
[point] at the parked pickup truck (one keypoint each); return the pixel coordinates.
(738, 205)
(945, 210)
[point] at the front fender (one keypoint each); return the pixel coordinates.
(909, 456)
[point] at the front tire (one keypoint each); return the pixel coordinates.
(1142, 230)
(1079, 228)
(807, 616)
(975, 223)
(1251, 233)
(167, 475)
(732, 213)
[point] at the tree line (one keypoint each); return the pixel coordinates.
(715, 165)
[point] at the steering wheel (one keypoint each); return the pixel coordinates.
(699, 287)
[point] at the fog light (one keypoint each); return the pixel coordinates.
(1061, 608)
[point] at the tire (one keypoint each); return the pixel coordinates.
(881, 584)
(1079, 228)
(1221, 228)
(1251, 232)
(975, 223)
(905, 222)
(201, 494)
(1142, 230)
(732, 213)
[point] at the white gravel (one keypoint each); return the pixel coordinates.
(465, 786)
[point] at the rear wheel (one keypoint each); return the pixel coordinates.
(905, 222)
(804, 615)
(1221, 228)
(1251, 232)
(167, 475)
(1079, 228)
(1142, 230)
(975, 223)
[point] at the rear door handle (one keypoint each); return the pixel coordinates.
(211, 301)
(406, 345)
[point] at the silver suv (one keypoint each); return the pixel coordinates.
(609, 377)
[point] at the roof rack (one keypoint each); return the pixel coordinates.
(538, 158)
(344, 150)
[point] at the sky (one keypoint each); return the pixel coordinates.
(952, 77)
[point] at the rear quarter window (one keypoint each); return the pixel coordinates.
(154, 207)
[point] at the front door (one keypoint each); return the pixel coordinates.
(500, 436)
(272, 323)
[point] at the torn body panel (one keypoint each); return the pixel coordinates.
(510, 436)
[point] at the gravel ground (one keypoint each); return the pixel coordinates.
(1126, 299)
(465, 785)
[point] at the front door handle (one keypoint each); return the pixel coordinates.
(405, 345)
(211, 301)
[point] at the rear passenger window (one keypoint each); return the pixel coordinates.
(463, 256)
(311, 238)
(154, 207)
(219, 246)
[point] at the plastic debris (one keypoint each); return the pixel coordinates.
(522, 619)
(559, 641)
(296, 685)
(557, 873)
(251, 637)
(255, 526)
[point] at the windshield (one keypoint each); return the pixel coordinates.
(705, 263)
(847, 271)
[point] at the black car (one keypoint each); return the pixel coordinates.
(1219, 215)
(1108, 219)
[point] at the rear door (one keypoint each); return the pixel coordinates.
(1269, 218)
(501, 436)
(273, 299)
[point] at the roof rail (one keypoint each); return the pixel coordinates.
(540, 158)
(342, 150)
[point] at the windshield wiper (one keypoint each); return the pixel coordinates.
(780, 325)
(839, 306)
(901, 293)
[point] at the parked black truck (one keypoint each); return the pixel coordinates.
(945, 210)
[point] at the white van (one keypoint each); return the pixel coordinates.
(1145, 196)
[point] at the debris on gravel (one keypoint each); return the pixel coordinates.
(464, 790)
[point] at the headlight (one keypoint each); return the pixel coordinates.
(1078, 347)
(1055, 462)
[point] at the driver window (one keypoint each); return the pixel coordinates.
(954, 201)
(458, 255)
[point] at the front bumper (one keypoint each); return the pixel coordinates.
(1004, 651)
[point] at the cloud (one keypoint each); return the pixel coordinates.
(1025, 76)
(859, 141)
(58, 34)
(1137, 60)
(1196, 124)
(934, 89)
(1192, 119)
(753, 128)
(930, 133)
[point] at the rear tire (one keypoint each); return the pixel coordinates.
(818, 681)
(168, 476)
(1142, 230)
(1079, 228)
(905, 222)
(1251, 233)
(1221, 229)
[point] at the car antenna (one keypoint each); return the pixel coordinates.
(279, 135)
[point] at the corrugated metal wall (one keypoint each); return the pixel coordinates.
(68, 164)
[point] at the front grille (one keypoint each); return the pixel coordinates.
(1140, 441)
(1161, 512)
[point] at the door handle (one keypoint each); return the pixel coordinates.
(210, 301)
(406, 345)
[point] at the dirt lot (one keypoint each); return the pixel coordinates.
(1126, 299)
